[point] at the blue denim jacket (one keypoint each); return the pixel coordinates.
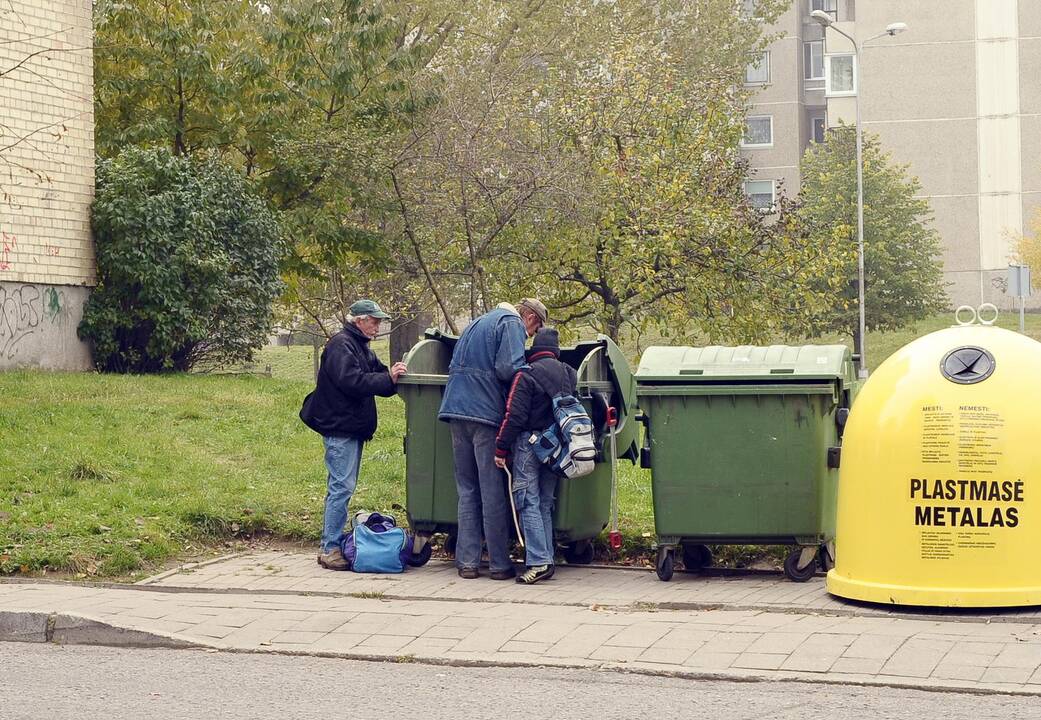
(486, 357)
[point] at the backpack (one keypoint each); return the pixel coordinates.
(567, 446)
(376, 544)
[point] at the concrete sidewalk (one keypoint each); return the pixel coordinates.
(755, 626)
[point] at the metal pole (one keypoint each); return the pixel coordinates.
(862, 371)
(1022, 320)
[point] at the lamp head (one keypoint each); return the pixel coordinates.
(822, 17)
(894, 28)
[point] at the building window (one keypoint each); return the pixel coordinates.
(760, 193)
(829, 6)
(818, 126)
(840, 75)
(813, 60)
(757, 72)
(759, 131)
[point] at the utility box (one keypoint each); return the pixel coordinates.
(940, 493)
(743, 444)
(583, 504)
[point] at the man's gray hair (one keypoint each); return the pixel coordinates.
(355, 318)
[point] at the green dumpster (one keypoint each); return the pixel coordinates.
(583, 504)
(743, 444)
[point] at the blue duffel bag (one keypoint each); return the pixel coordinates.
(376, 544)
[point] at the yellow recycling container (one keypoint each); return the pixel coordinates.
(939, 499)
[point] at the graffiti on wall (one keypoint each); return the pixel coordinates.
(38, 326)
(20, 316)
(54, 306)
(7, 245)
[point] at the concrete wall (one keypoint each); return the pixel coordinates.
(38, 326)
(781, 99)
(956, 98)
(46, 180)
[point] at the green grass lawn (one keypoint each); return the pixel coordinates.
(114, 475)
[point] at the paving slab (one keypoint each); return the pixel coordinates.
(298, 573)
(752, 627)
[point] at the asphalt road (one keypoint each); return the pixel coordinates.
(47, 681)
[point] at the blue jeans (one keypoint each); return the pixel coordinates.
(533, 488)
(342, 459)
(483, 505)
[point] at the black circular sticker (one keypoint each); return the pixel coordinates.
(967, 365)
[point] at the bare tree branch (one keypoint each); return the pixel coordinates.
(419, 254)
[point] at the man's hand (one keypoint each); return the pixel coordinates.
(500, 462)
(397, 370)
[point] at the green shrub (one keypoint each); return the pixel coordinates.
(187, 264)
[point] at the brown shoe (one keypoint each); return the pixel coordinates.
(333, 560)
(469, 573)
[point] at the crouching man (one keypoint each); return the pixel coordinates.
(342, 409)
(529, 411)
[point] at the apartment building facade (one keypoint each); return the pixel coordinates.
(955, 97)
(47, 263)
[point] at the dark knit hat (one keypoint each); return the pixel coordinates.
(546, 340)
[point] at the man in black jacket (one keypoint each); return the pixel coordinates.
(342, 409)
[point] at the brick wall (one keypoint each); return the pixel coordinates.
(46, 142)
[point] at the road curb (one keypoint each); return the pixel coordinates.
(72, 629)
(749, 676)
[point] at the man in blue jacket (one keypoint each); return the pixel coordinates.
(342, 409)
(487, 356)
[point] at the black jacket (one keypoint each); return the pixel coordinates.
(344, 404)
(529, 405)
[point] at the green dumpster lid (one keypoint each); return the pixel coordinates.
(715, 363)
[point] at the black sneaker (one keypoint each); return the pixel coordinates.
(468, 573)
(533, 574)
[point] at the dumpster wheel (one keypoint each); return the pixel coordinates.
(579, 552)
(665, 565)
(792, 569)
(421, 558)
(827, 556)
(696, 557)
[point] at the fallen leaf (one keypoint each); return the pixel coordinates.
(139, 521)
(5, 516)
(234, 527)
(247, 511)
(104, 528)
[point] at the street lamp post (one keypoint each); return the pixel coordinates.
(892, 29)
